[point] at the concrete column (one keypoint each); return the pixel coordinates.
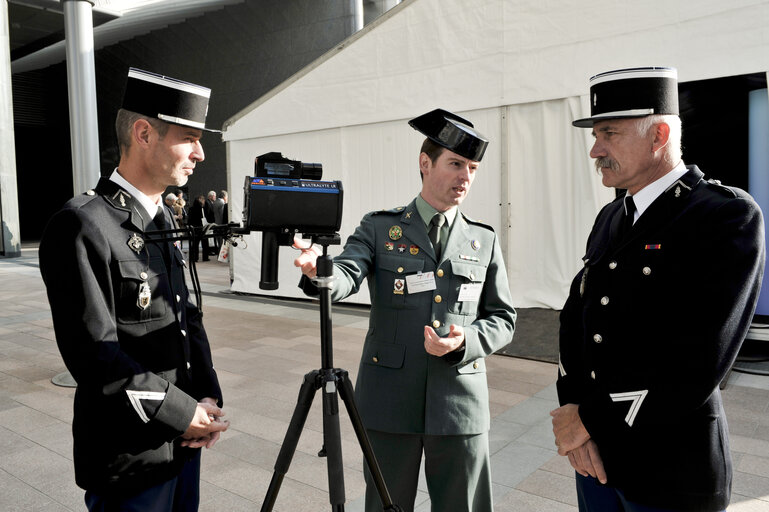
(81, 83)
(10, 241)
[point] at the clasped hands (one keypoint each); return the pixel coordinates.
(206, 425)
(573, 441)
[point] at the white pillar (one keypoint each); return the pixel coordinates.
(81, 83)
(10, 242)
(356, 14)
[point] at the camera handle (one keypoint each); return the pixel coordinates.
(332, 381)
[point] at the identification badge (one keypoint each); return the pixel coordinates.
(145, 296)
(422, 282)
(470, 292)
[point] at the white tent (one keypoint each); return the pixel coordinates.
(518, 69)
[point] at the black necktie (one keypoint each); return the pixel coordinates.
(435, 233)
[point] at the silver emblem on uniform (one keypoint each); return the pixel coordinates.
(678, 191)
(122, 200)
(145, 296)
(136, 243)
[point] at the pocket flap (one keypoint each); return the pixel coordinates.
(471, 271)
(133, 269)
(400, 265)
(389, 355)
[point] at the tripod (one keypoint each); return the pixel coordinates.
(332, 381)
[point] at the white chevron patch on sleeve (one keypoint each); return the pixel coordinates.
(136, 396)
(637, 397)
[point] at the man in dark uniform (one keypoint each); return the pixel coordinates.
(440, 304)
(655, 319)
(147, 396)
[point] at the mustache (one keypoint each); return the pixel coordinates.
(603, 162)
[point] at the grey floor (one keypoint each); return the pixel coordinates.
(262, 348)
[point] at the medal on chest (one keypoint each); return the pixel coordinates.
(145, 296)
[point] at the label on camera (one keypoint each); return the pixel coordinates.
(421, 282)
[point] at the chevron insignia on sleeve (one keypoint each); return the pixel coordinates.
(137, 396)
(637, 397)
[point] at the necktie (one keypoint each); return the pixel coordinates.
(435, 233)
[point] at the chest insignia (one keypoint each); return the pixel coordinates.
(145, 296)
(652, 246)
(469, 258)
(401, 247)
(475, 244)
(398, 286)
(136, 243)
(389, 246)
(413, 249)
(395, 232)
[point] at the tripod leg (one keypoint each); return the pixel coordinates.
(348, 396)
(303, 404)
(332, 441)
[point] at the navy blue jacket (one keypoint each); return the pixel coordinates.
(652, 325)
(140, 367)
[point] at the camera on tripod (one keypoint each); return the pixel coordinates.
(286, 197)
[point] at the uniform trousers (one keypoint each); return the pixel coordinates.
(180, 494)
(457, 470)
(594, 497)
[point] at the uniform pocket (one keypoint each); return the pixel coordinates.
(388, 355)
(136, 277)
(391, 279)
(470, 274)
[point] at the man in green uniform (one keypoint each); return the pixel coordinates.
(440, 304)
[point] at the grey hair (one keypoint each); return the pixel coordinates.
(171, 196)
(673, 149)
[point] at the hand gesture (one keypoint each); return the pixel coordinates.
(206, 425)
(437, 346)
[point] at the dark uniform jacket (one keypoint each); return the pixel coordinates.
(652, 325)
(140, 366)
(400, 387)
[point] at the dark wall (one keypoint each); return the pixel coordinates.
(240, 51)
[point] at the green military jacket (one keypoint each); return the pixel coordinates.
(400, 387)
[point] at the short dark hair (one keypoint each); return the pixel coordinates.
(124, 123)
(432, 150)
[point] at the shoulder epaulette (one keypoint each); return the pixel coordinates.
(81, 199)
(476, 222)
(724, 189)
(393, 211)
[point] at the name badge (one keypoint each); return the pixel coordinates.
(470, 292)
(421, 282)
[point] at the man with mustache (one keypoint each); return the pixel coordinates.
(147, 396)
(440, 303)
(655, 318)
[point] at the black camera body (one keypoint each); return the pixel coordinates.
(284, 198)
(278, 198)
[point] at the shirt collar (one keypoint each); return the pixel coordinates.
(646, 196)
(426, 212)
(146, 202)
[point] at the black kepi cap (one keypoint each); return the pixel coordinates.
(633, 92)
(452, 132)
(168, 99)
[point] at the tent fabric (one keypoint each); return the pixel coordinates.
(519, 71)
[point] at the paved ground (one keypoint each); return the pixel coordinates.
(262, 348)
